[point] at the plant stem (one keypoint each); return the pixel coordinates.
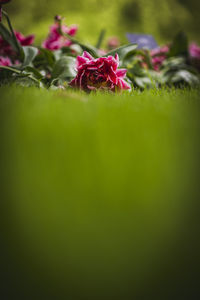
(13, 33)
(100, 39)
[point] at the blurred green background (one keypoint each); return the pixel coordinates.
(163, 19)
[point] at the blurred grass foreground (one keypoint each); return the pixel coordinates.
(99, 194)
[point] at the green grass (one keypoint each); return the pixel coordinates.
(99, 188)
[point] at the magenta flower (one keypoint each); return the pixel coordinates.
(56, 38)
(194, 51)
(6, 49)
(5, 61)
(25, 40)
(99, 74)
(158, 56)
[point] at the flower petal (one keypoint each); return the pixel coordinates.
(123, 85)
(80, 60)
(87, 55)
(121, 73)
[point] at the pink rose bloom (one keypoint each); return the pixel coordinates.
(99, 74)
(56, 39)
(158, 56)
(5, 61)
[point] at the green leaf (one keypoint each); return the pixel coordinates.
(92, 50)
(29, 55)
(122, 51)
(64, 68)
(44, 59)
(179, 45)
(187, 77)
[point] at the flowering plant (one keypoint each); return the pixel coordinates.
(57, 37)
(63, 61)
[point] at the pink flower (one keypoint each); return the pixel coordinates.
(6, 49)
(158, 56)
(113, 43)
(99, 74)
(194, 50)
(5, 61)
(25, 40)
(56, 38)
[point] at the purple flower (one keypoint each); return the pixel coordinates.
(99, 74)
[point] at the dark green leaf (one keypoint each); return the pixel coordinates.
(64, 68)
(45, 58)
(179, 45)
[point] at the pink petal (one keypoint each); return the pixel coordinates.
(124, 85)
(121, 73)
(81, 79)
(113, 76)
(72, 30)
(92, 68)
(92, 88)
(80, 61)
(87, 55)
(117, 57)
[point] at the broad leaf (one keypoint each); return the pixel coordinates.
(123, 51)
(45, 58)
(64, 68)
(29, 55)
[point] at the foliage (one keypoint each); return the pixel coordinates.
(54, 64)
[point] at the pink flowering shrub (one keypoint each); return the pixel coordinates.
(158, 56)
(56, 38)
(99, 74)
